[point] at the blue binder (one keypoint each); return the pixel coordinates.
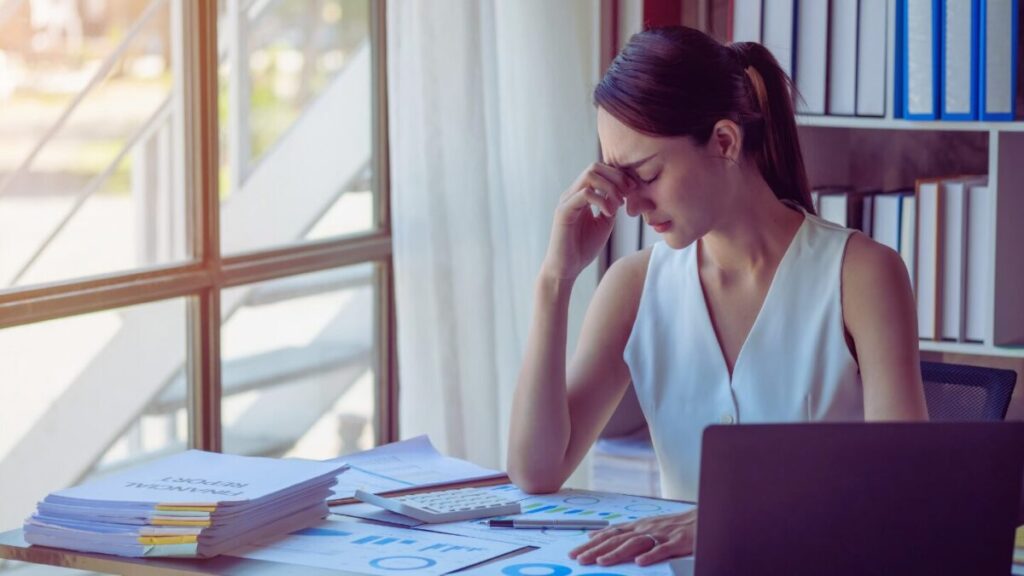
(898, 85)
(920, 94)
(1006, 92)
(964, 16)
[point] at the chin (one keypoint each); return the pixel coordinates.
(678, 241)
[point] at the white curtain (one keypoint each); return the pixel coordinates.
(490, 119)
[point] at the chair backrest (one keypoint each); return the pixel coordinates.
(957, 392)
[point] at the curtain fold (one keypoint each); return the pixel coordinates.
(490, 119)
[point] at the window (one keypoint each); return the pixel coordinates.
(87, 394)
(297, 354)
(193, 227)
(295, 98)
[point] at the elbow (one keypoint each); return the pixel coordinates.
(538, 486)
(533, 481)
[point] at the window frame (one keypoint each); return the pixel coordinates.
(203, 278)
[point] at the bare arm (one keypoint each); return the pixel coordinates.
(881, 317)
(557, 414)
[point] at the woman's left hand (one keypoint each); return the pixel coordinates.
(646, 541)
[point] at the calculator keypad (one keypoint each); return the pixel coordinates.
(446, 505)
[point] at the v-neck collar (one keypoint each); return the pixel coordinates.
(710, 325)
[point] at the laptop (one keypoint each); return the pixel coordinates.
(858, 499)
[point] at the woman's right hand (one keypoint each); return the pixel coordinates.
(577, 234)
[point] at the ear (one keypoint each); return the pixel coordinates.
(726, 140)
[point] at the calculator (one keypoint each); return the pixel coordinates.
(445, 505)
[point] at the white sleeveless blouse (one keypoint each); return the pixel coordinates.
(793, 367)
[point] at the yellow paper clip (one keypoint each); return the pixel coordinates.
(179, 522)
(184, 539)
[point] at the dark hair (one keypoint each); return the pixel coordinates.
(677, 81)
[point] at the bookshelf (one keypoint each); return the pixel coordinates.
(891, 153)
(887, 153)
(864, 122)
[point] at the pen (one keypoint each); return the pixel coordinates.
(549, 524)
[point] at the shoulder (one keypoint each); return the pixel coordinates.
(881, 318)
(630, 270)
(869, 265)
(875, 285)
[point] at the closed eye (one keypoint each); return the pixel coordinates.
(648, 182)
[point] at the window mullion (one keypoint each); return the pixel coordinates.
(195, 24)
(386, 365)
(41, 303)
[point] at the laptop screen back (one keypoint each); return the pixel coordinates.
(879, 498)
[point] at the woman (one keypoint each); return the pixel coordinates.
(751, 310)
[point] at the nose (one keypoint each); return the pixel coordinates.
(636, 205)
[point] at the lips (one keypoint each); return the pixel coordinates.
(660, 226)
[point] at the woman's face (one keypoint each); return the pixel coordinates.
(678, 182)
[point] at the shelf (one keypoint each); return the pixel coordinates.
(974, 348)
(899, 124)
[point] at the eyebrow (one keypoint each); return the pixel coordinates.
(632, 165)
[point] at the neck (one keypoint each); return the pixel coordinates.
(754, 232)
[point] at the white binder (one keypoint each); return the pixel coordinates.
(842, 61)
(953, 252)
(811, 51)
(928, 274)
(998, 66)
(871, 57)
(958, 96)
(921, 56)
(908, 236)
(885, 228)
(980, 249)
(746, 20)
(778, 32)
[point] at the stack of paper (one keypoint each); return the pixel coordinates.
(412, 463)
(190, 504)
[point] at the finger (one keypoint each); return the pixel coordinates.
(610, 188)
(624, 183)
(605, 203)
(582, 549)
(593, 178)
(610, 201)
(586, 178)
(626, 551)
(572, 206)
(671, 549)
(602, 203)
(598, 549)
(605, 533)
(596, 537)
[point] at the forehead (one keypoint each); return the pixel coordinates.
(621, 144)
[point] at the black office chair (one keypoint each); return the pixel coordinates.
(956, 392)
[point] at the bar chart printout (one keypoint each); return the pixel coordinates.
(564, 504)
(376, 550)
(554, 561)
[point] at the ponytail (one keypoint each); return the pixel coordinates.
(778, 153)
(677, 81)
